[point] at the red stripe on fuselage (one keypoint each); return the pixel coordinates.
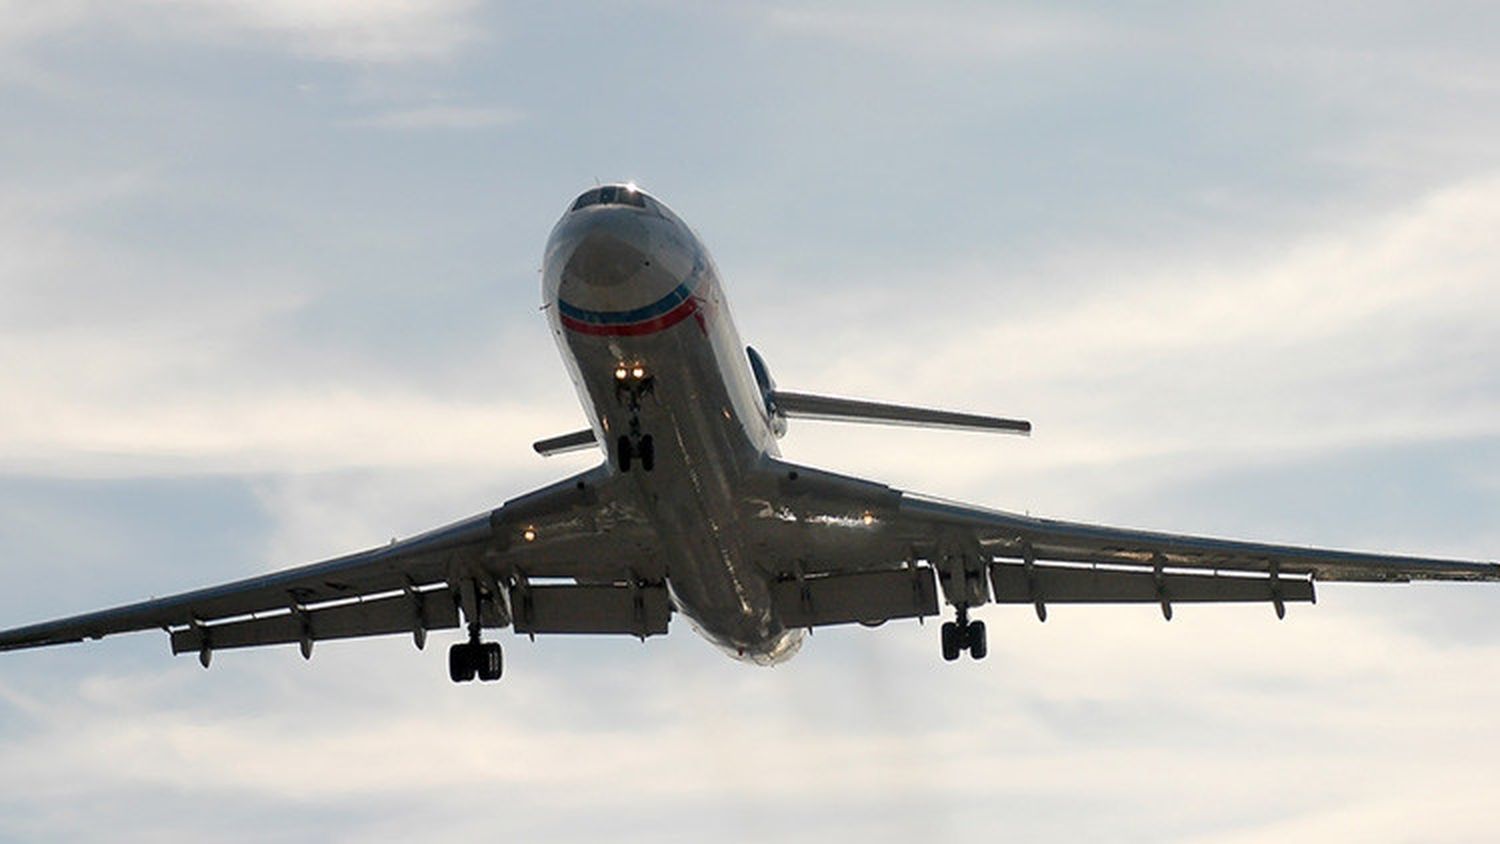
(687, 308)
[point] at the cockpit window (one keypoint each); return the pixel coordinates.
(610, 195)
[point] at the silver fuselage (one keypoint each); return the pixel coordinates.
(625, 286)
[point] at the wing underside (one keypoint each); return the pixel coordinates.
(845, 528)
(534, 562)
(577, 557)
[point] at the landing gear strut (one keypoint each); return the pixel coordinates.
(964, 635)
(467, 660)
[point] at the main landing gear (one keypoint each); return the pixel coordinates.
(467, 660)
(964, 635)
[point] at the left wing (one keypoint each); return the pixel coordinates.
(847, 530)
(1014, 536)
(474, 567)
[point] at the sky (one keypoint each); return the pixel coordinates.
(269, 293)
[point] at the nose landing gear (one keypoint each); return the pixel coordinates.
(964, 635)
(631, 383)
(635, 447)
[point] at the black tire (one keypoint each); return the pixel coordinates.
(491, 662)
(648, 453)
(623, 453)
(461, 665)
(978, 645)
(951, 645)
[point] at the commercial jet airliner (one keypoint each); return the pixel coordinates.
(693, 512)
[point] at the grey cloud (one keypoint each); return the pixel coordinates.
(441, 116)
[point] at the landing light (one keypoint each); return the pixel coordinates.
(529, 534)
(621, 373)
(869, 518)
(639, 372)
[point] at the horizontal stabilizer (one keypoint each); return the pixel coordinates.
(576, 441)
(808, 406)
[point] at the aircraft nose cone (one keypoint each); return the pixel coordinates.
(617, 261)
(605, 258)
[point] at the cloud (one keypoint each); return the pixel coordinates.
(1050, 730)
(1374, 332)
(441, 116)
(942, 31)
(115, 362)
(376, 31)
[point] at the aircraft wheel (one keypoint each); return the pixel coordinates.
(951, 644)
(623, 452)
(978, 646)
(461, 663)
(647, 453)
(491, 662)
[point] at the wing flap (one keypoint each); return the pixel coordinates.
(1014, 584)
(870, 597)
(422, 560)
(637, 610)
(434, 609)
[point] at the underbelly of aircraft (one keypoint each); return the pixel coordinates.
(691, 494)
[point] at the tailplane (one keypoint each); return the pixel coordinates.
(783, 405)
(809, 406)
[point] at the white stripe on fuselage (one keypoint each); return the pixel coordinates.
(705, 413)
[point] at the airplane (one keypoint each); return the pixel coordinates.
(694, 512)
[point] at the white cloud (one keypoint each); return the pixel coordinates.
(1377, 332)
(367, 31)
(352, 30)
(1153, 730)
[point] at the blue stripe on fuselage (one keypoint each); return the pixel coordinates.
(681, 293)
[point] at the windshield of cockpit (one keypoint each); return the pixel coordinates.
(610, 195)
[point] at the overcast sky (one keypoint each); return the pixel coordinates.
(268, 293)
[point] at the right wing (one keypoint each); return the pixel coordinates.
(478, 569)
